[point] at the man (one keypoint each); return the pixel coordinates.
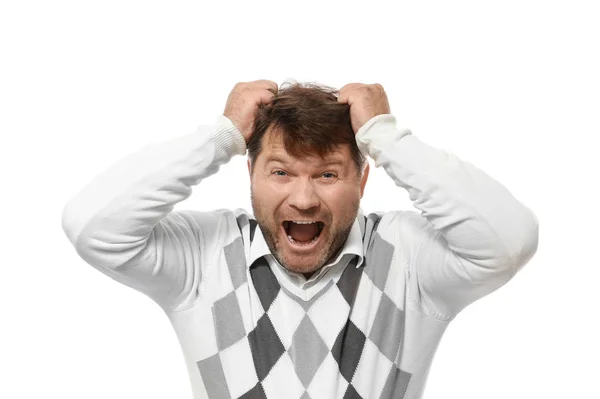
(319, 300)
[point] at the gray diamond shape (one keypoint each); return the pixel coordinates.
(379, 256)
(308, 350)
(396, 384)
(305, 395)
(387, 329)
(227, 317)
(213, 376)
(236, 262)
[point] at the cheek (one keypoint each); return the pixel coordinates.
(343, 195)
(268, 198)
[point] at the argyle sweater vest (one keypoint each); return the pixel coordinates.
(372, 331)
(343, 342)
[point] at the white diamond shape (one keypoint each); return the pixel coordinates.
(327, 382)
(238, 367)
(285, 314)
(329, 315)
(367, 302)
(282, 382)
(371, 372)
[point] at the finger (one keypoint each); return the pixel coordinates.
(265, 96)
(342, 94)
(265, 84)
(346, 95)
(352, 86)
(346, 91)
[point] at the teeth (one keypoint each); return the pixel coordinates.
(298, 243)
(318, 223)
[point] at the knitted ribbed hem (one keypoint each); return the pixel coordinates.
(227, 138)
(383, 119)
(374, 126)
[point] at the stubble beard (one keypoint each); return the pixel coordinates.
(334, 241)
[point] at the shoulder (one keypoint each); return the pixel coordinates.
(215, 226)
(405, 221)
(405, 229)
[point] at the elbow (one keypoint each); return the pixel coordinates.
(69, 223)
(528, 240)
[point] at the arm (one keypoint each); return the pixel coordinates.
(121, 223)
(472, 235)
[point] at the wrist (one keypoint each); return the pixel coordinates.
(228, 139)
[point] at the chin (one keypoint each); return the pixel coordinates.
(297, 264)
(302, 269)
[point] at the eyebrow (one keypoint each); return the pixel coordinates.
(275, 158)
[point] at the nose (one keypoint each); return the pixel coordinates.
(303, 195)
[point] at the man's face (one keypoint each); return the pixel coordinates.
(285, 189)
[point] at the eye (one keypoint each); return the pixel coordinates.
(279, 173)
(329, 177)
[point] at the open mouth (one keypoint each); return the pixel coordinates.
(303, 232)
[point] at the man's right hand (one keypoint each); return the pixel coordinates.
(243, 101)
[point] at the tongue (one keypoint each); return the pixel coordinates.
(303, 232)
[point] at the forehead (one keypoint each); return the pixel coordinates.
(273, 149)
(329, 160)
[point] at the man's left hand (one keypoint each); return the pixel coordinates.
(365, 100)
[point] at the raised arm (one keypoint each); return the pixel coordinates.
(472, 234)
(122, 221)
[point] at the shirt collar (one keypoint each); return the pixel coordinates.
(353, 245)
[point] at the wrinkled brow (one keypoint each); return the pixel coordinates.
(326, 162)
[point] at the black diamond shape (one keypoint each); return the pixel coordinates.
(347, 349)
(265, 345)
(265, 283)
(371, 225)
(349, 280)
(252, 229)
(257, 392)
(351, 393)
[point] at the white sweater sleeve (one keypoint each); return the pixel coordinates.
(121, 222)
(472, 235)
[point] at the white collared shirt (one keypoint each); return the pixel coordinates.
(296, 282)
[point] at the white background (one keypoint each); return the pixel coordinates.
(512, 87)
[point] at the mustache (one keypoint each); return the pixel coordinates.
(308, 216)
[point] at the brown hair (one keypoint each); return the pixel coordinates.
(309, 119)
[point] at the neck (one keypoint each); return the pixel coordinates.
(308, 275)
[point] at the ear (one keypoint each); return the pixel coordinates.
(249, 168)
(364, 178)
